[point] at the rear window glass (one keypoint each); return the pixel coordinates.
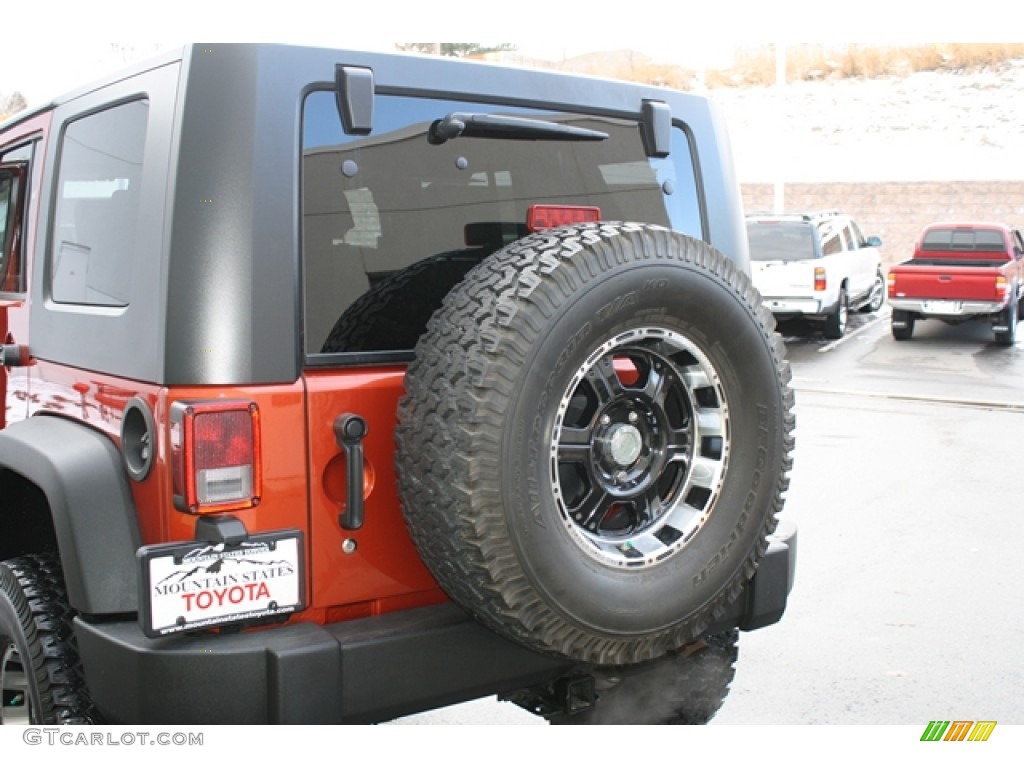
(97, 206)
(780, 240)
(985, 240)
(390, 222)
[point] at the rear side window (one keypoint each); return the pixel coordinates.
(96, 213)
(391, 222)
(857, 238)
(832, 244)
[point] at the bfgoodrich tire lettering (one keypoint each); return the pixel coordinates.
(516, 357)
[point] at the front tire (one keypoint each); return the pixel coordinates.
(41, 679)
(877, 296)
(595, 440)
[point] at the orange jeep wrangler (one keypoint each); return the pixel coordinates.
(341, 386)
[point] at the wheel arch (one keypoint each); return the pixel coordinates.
(77, 498)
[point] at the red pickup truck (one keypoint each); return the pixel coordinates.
(960, 272)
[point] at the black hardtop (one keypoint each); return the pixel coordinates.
(216, 290)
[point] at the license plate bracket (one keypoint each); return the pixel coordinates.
(192, 585)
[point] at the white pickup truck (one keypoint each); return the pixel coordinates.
(815, 265)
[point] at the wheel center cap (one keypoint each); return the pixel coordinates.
(625, 444)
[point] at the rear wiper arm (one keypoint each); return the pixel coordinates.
(502, 127)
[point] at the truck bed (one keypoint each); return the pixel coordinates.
(944, 263)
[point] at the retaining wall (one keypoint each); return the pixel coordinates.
(897, 211)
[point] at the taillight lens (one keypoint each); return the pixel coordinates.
(215, 455)
(891, 284)
(820, 283)
(542, 217)
(1000, 286)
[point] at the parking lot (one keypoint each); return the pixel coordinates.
(907, 495)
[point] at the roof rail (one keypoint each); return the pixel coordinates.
(804, 215)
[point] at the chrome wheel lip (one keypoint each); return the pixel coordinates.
(13, 680)
(691, 502)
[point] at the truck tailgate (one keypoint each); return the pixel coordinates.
(781, 278)
(957, 283)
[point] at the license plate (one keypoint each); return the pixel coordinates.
(198, 585)
(943, 307)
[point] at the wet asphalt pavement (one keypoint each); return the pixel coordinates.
(907, 491)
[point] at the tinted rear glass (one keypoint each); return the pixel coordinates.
(985, 240)
(390, 222)
(780, 240)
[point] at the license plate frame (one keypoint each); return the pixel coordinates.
(943, 307)
(196, 585)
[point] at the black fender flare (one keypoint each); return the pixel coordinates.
(79, 470)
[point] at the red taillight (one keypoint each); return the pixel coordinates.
(542, 217)
(215, 455)
(1001, 286)
(891, 284)
(820, 283)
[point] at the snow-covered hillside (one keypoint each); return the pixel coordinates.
(929, 126)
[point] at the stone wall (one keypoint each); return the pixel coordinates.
(897, 211)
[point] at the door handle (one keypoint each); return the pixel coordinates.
(349, 431)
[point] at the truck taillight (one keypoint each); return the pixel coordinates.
(820, 283)
(891, 284)
(542, 217)
(215, 455)
(1001, 286)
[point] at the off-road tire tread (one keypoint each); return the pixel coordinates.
(463, 376)
(395, 311)
(35, 585)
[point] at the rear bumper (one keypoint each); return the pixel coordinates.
(929, 308)
(765, 599)
(360, 671)
(795, 306)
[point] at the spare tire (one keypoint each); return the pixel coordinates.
(393, 313)
(595, 440)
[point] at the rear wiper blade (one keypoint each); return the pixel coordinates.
(503, 127)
